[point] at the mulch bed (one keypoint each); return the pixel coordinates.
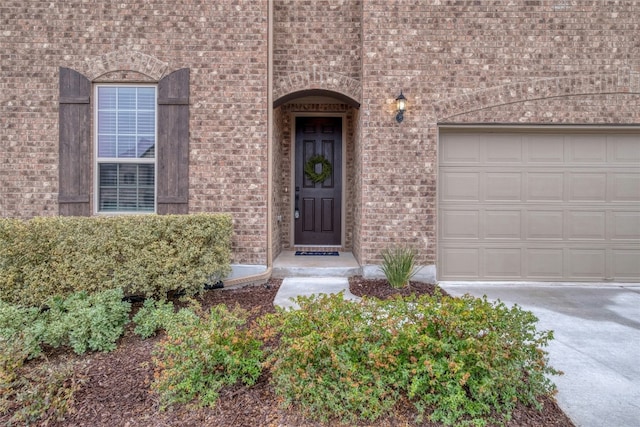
(116, 391)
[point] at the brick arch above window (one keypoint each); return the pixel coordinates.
(453, 108)
(320, 80)
(124, 60)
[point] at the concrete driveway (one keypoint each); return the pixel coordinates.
(596, 344)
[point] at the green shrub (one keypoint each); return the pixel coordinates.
(152, 316)
(201, 355)
(398, 266)
(38, 394)
(459, 360)
(81, 321)
(144, 255)
(155, 315)
(25, 326)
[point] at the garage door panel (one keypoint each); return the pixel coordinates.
(585, 148)
(586, 225)
(626, 187)
(460, 224)
(625, 225)
(503, 224)
(464, 149)
(539, 205)
(586, 264)
(503, 186)
(500, 148)
(545, 225)
(502, 263)
(545, 186)
(625, 149)
(543, 149)
(460, 186)
(460, 262)
(626, 264)
(591, 187)
(545, 263)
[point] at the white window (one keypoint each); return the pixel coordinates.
(125, 148)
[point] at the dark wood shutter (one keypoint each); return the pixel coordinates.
(173, 143)
(74, 144)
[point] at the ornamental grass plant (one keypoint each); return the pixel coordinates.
(398, 266)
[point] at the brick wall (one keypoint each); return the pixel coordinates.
(224, 45)
(320, 35)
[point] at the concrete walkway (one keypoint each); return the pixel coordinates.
(292, 287)
(596, 339)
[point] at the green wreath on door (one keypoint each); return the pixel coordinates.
(310, 168)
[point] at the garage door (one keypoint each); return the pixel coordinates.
(562, 205)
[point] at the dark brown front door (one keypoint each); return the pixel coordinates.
(318, 205)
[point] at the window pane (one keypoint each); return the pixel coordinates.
(146, 175)
(107, 122)
(108, 200)
(108, 175)
(107, 145)
(106, 98)
(127, 146)
(147, 98)
(146, 122)
(126, 122)
(146, 147)
(127, 98)
(128, 174)
(127, 199)
(146, 198)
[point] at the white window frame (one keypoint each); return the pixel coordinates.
(123, 160)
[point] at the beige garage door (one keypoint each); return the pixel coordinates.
(561, 205)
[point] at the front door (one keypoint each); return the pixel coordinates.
(318, 190)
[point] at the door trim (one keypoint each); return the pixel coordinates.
(292, 178)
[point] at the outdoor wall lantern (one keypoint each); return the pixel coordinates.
(401, 106)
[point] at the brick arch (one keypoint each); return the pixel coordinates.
(318, 80)
(126, 60)
(625, 81)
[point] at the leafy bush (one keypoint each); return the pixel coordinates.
(81, 321)
(459, 360)
(201, 355)
(37, 394)
(23, 325)
(152, 316)
(155, 315)
(398, 266)
(147, 255)
(332, 360)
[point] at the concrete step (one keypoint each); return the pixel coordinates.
(287, 264)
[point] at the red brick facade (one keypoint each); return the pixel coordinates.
(482, 62)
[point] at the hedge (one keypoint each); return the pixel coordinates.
(147, 255)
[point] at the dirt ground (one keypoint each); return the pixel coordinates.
(116, 388)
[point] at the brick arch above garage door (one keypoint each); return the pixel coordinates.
(550, 205)
(455, 109)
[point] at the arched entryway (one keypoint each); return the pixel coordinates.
(316, 129)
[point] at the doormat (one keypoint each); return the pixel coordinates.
(317, 253)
